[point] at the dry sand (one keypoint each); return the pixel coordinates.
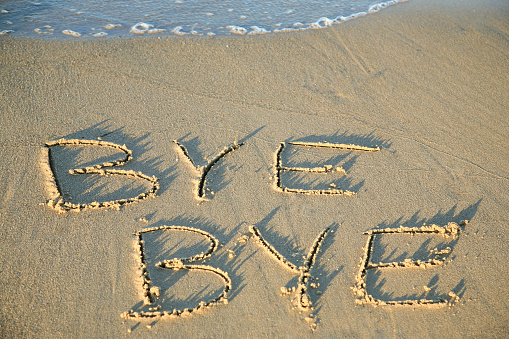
(426, 81)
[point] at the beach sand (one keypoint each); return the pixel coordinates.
(425, 81)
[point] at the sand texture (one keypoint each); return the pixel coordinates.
(344, 182)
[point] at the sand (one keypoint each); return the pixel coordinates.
(425, 81)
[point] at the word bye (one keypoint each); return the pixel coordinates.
(151, 293)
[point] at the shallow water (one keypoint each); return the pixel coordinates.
(103, 18)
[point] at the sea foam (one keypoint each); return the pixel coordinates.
(205, 17)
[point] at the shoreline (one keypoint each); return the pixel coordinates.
(140, 28)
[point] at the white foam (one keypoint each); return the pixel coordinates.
(322, 23)
(193, 17)
(257, 30)
(6, 32)
(353, 16)
(237, 30)
(287, 29)
(141, 28)
(156, 30)
(71, 33)
(45, 30)
(178, 30)
(112, 26)
(378, 7)
(100, 35)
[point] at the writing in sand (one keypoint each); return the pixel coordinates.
(300, 292)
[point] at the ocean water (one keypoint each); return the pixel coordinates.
(113, 18)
